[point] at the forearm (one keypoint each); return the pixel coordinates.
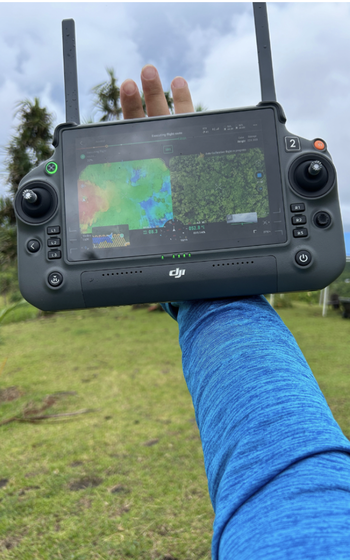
(260, 414)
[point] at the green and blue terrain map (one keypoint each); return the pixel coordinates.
(192, 188)
(136, 193)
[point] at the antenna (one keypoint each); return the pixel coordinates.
(267, 82)
(70, 71)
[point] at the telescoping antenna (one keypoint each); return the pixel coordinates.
(267, 82)
(70, 71)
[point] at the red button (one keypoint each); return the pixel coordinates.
(319, 145)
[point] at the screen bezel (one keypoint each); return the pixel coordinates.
(272, 165)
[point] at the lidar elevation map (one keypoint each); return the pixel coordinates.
(136, 193)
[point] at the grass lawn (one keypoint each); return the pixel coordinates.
(125, 478)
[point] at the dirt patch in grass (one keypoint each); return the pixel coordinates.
(150, 442)
(119, 489)
(10, 394)
(32, 474)
(76, 464)
(9, 543)
(124, 509)
(84, 482)
(85, 503)
(157, 556)
(89, 379)
(23, 491)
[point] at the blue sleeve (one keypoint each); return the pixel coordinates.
(277, 463)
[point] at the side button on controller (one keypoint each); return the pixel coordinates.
(33, 246)
(298, 207)
(303, 258)
(54, 255)
(54, 242)
(53, 230)
(55, 279)
(298, 219)
(300, 232)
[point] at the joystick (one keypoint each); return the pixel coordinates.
(30, 196)
(36, 203)
(312, 178)
(315, 168)
(322, 220)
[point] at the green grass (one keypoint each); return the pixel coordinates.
(125, 480)
(324, 342)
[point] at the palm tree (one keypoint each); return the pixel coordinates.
(8, 250)
(107, 98)
(31, 144)
(199, 108)
(26, 149)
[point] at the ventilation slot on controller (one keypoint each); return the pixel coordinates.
(121, 273)
(233, 263)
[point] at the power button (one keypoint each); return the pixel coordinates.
(303, 258)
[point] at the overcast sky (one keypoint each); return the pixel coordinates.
(211, 44)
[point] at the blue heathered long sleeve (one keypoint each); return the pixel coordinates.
(278, 464)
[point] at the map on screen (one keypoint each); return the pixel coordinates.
(198, 188)
(136, 193)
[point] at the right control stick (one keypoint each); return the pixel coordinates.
(315, 168)
(312, 178)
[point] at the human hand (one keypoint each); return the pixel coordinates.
(156, 103)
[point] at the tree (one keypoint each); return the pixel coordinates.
(26, 149)
(199, 108)
(107, 98)
(7, 232)
(8, 251)
(30, 146)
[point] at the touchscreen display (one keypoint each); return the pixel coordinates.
(168, 186)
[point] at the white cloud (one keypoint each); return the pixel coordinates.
(211, 44)
(229, 77)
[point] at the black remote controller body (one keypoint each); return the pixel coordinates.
(209, 205)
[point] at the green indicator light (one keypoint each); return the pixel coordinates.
(184, 255)
(173, 256)
(82, 156)
(178, 256)
(51, 168)
(162, 257)
(189, 255)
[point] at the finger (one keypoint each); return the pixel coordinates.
(130, 100)
(152, 89)
(181, 96)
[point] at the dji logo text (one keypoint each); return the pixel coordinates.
(177, 273)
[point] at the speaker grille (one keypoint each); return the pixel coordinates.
(121, 273)
(233, 263)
